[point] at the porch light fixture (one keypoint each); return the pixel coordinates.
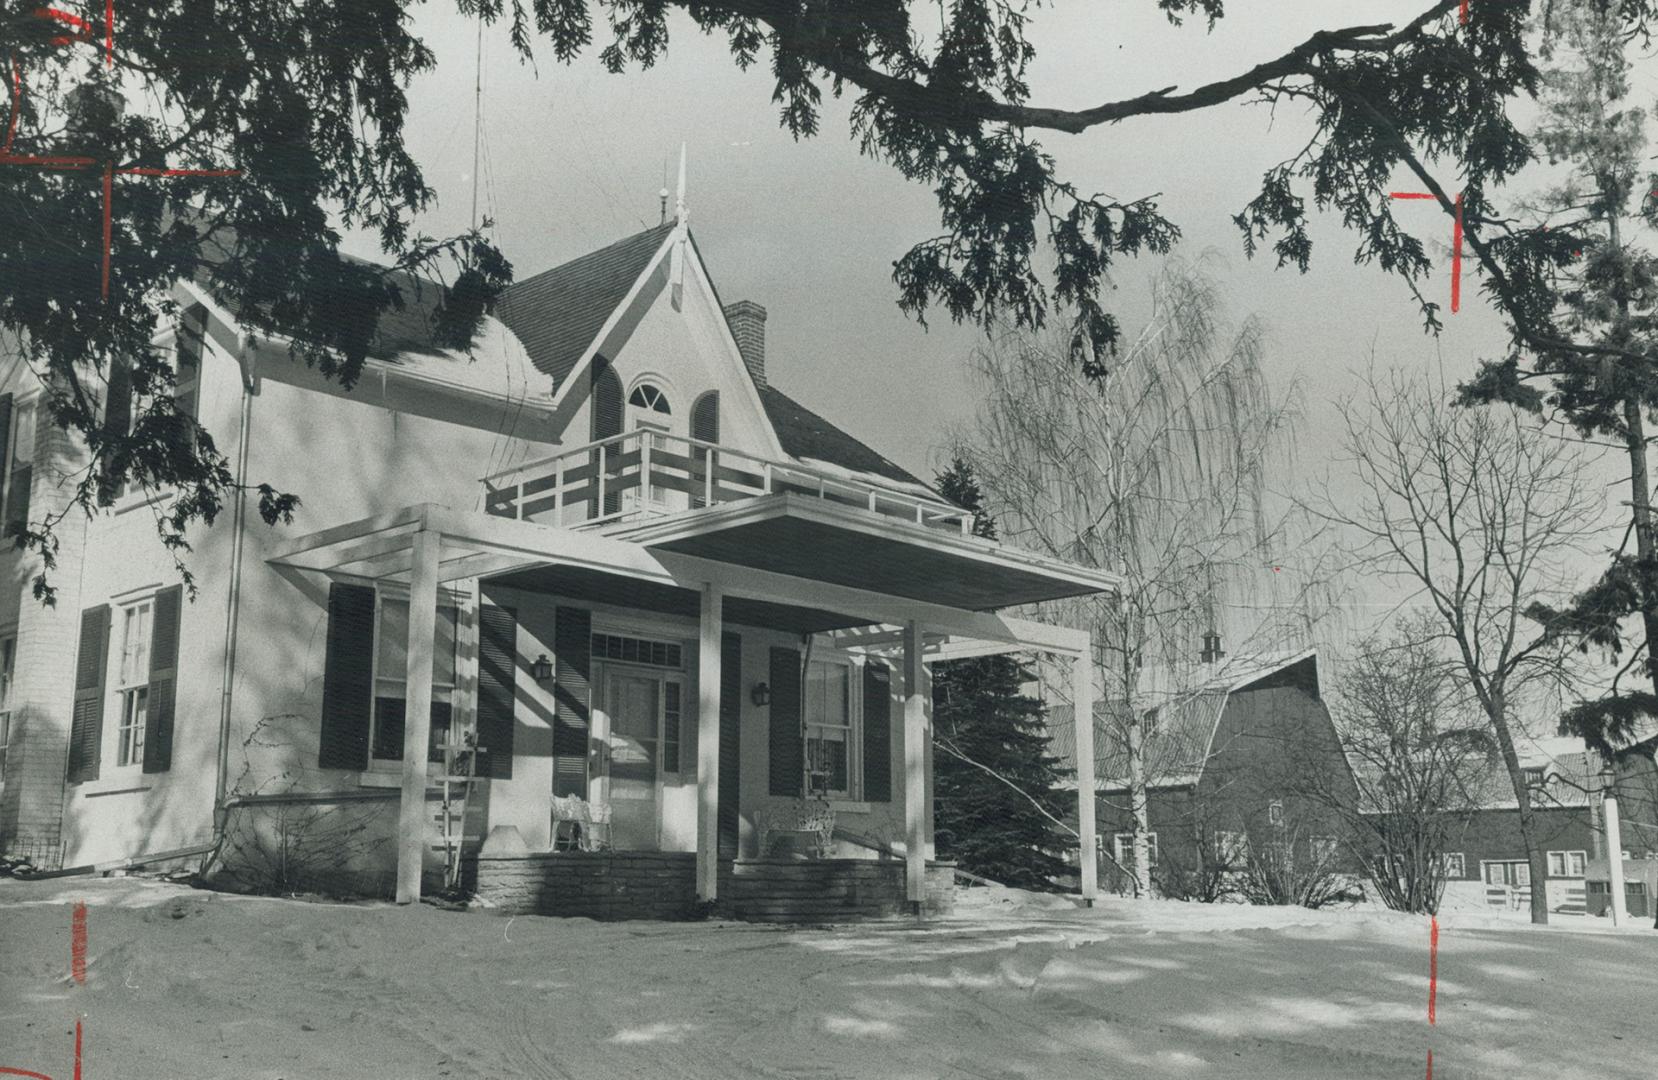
(542, 669)
(761, 694)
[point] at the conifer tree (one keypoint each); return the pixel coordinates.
(999, 805)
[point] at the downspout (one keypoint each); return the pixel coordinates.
(233, 611)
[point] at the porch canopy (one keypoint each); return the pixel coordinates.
(780, 561)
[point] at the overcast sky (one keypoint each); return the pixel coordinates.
(574, 159)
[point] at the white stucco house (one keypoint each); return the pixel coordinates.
(599, 558)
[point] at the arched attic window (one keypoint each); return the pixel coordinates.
(650, 396)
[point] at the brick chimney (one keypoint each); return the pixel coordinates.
(748, 326)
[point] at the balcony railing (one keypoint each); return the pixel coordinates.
(644, 473)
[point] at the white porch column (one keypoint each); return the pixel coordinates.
(1614, 856)
(417, 715)
(1082, 696)
(916, 711)
(708, 745)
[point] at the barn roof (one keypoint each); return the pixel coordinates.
(1179, 733)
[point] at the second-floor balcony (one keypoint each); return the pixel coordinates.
(646, 474)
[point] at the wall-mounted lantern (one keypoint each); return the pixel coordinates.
(761, 694)
(542, 669)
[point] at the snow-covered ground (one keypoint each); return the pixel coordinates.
(187, 984)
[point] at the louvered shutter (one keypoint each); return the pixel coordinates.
(5, 443)
(607, 420)
(86, 724)
(731, 757)
(117, 421)
(572, 700)
(787, 746)
(497, 689)
(348, 678)
(705, 425)
(163, 693)
(877, 732)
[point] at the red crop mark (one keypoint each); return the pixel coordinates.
(77, 944)
(77, 1048)
(84, 32)
(1433, 967)
(1430, 1065)
(1456, 242)
(23, 1072)
(1462, 13)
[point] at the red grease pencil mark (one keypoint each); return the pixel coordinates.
(1462, 13)
(1433, 968)
(1410, 195)
(23, 1072)
(77, 945)
(1430, 1065)
(109, 30)
(1456, 304)
(78, 1049)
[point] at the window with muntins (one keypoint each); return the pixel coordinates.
(829, 742)
(391, 692)
(132, 686)
(1567, 864)
(637, 650)
(649, 396)
(1123, 849)
(1455, 865)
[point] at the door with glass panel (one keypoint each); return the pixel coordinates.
(642, 713)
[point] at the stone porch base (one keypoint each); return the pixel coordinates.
(662, 885)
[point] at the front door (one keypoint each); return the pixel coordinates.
(633, 705)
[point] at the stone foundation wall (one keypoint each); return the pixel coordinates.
(662, 885)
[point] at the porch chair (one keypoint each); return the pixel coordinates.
(812, 818)
(589, 824)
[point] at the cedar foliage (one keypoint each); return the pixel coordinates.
(997, 812)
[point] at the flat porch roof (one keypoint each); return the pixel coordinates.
(782, 562)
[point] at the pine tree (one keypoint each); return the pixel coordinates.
(999, 805)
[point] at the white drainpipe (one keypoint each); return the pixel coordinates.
(233, 606)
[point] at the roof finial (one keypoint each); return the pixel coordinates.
(679, 205)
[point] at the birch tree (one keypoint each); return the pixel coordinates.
(1158, 473)
(1480, 517)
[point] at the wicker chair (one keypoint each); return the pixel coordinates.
(589, 824)
(813, 818)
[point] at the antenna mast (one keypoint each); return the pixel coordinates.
(477, 118)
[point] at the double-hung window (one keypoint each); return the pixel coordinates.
(1454, 864)
(829, 721)
(391, 659)
(1123, 849)
(133, 680)
(1566, 864)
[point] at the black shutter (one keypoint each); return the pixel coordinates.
(705, 425)
(607, 420)
(497, 689)
(5, 443)
(86, 725)
(163, 694)
(572, 698)
(348, 678)
(731, 756)
(788, 750)
(877, 732)
(117, 423)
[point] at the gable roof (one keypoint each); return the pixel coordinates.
(557, 313)
(807, 436)
(1180, 734)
